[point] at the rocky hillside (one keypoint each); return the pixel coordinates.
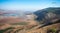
(48, 14)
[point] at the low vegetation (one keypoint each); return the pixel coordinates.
(20, 23)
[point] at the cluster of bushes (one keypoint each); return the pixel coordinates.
(1, 31)
(53, 30)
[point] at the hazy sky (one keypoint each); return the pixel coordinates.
(28, 4)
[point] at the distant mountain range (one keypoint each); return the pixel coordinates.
(14, 12)
(12, 16)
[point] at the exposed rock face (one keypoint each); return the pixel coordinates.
(50, 15)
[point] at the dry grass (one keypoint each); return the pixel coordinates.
(31, 27)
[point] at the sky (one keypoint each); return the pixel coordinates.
(28, 4)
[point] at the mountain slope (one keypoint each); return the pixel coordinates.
(48, 14)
